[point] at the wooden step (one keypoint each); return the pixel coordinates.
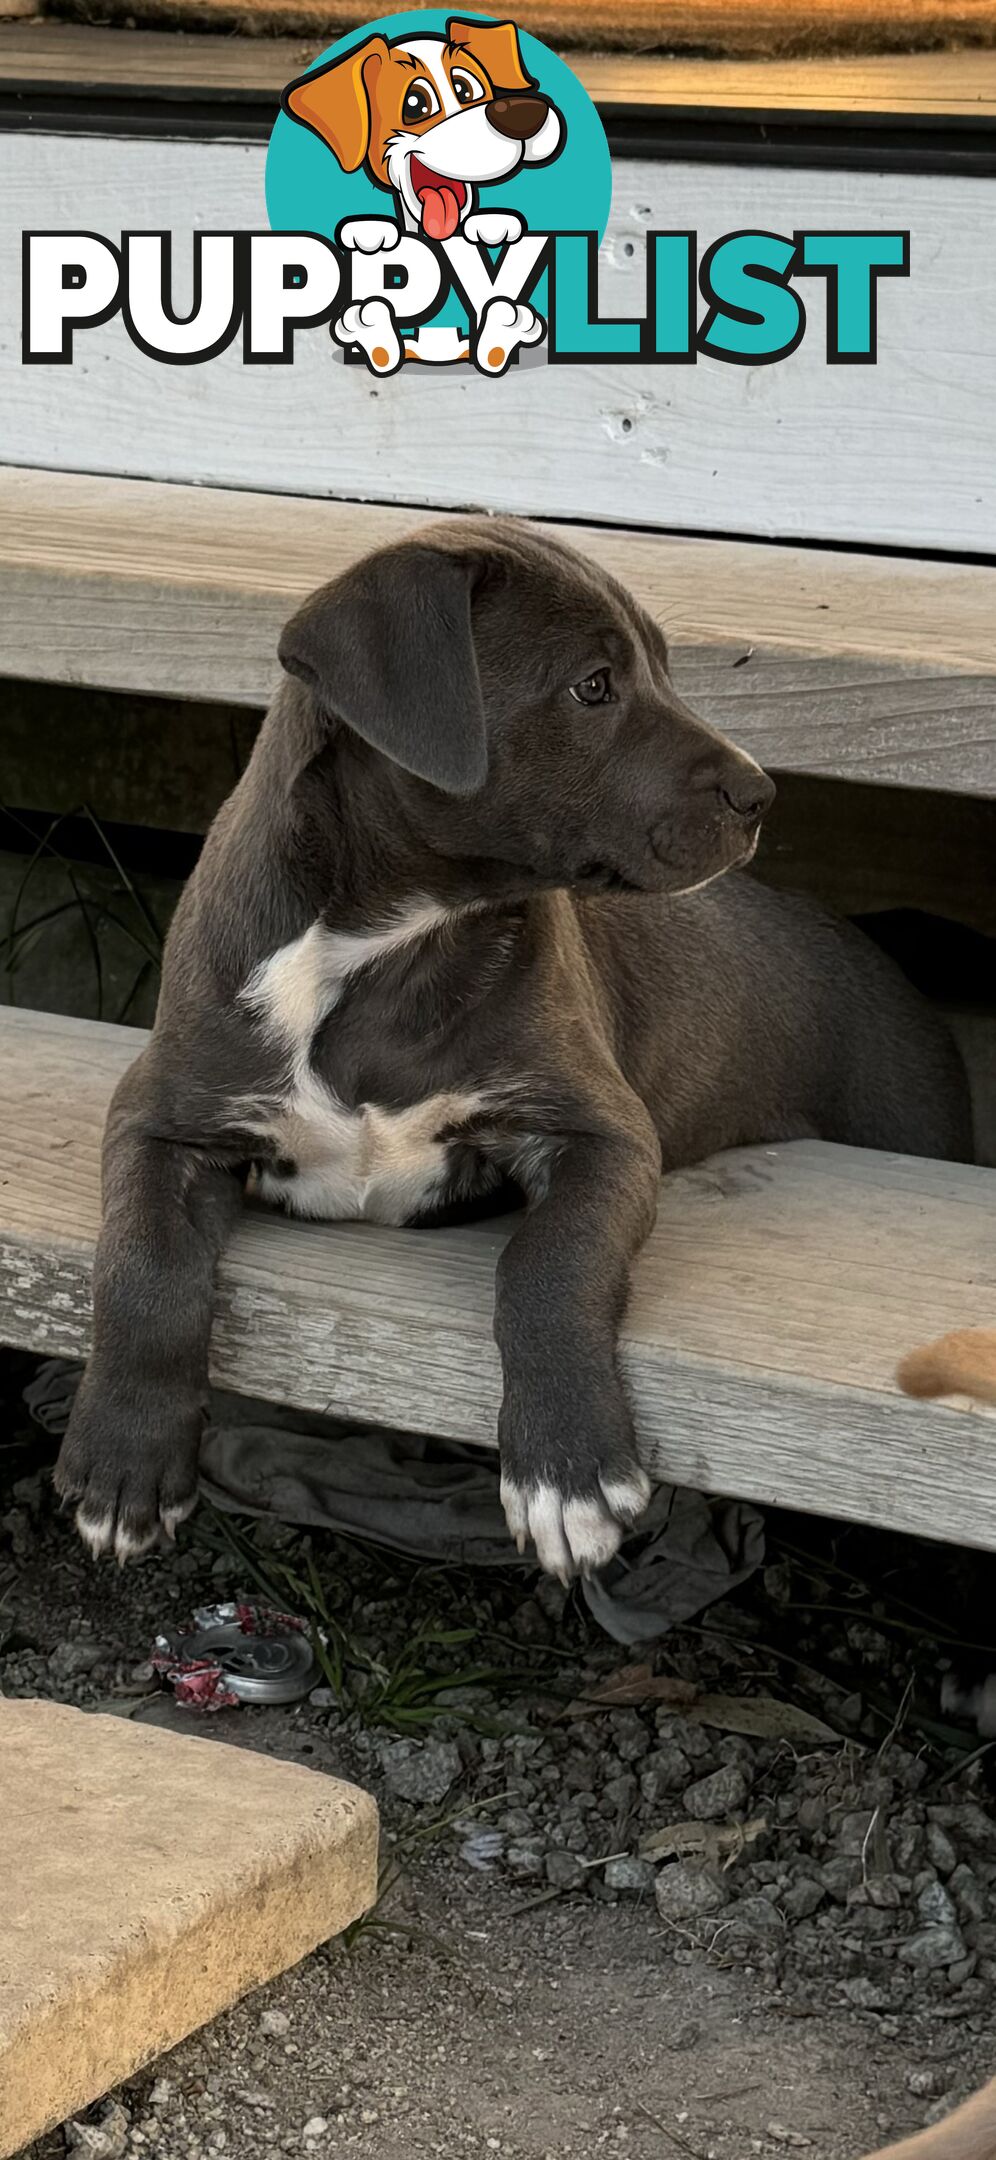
(817, 660)
(770, 1307)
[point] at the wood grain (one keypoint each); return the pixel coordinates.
(46, 53)
(817, 661)
(769, 1309)
(900, 454)
(721, 26)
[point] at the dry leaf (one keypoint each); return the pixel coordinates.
(701, 1840)
(760, 1717)
(633, 1684)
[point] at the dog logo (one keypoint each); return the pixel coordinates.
(444, 124)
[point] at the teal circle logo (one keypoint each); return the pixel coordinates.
(383, 121)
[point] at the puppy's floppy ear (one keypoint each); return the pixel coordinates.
(388, 648)
(495, 47)
(334, 101)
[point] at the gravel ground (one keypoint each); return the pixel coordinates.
(611, 1919)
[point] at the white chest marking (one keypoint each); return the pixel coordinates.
(368, 1162)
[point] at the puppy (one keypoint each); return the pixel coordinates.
(968, 2134)
(961, 1365)
(473, 926)
(432, 120)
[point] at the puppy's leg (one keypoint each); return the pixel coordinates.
(571, 1477)
(371, 325)
(129, 1458)
(504, 326)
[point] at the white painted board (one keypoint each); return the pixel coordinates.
(902, 453)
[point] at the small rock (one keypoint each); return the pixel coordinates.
(940, 1851)
(927, 2081)
(935, 1907)
(721, 1794)
(685, 1892)
(274, 2024)
(933, 1948)
(630, 1875)
(803, 1898)
(780, 2135)
(315, 2127)
(70, 1659)
(754, 1919)
(968, 1893)
(420, 1771)
(862, 1994)
(564, 1871)
(525, 1862)
(103, 2140)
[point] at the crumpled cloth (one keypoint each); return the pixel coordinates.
(438, 1501)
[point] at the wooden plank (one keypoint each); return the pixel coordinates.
(719, 26)
(46, 53)
(817, 660)
(770, 1307)
(798, 450)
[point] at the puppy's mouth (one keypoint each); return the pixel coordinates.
(440, 200)
(604, 877)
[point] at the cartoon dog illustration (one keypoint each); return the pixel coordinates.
(433, 119)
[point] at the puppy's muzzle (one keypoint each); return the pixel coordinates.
(519, 115)
(748, 796)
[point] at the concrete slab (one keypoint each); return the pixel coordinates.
(146, 1882)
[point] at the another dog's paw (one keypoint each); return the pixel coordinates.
(133, 1474)
(574, 1533)
(493, 228)
(505, 325)
(371, 325)
(369, 235)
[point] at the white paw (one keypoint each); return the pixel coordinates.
(106, 1535)
(492, 227)
(369, 235)
(573, 1535)
(371, 325)
(505, 325)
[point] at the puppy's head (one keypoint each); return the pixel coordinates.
(432, 118)
(520, 701)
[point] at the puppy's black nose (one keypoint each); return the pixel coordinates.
(518, 115)
(748, 796)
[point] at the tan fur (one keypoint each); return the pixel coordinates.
(355, 104)
(968, 2134)
(963, 1363)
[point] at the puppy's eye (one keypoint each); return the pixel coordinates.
(466, 87)
(593, 689)
(420, 102)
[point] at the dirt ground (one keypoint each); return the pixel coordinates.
(524, 1996)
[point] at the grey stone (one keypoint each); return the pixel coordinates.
(667, 1770)
(936, 1907)
(941, 1853)
(525, 1862)
(754, 1919)
(420, 1771)
(630, 1875)
(103, 2140)
(803, 1898)
(968, 1894)
(274, 2024)
(863, 1994)
(688, 1892)
(722, 1793)
(840, 1877)
(933, 1948)
(564, 1871)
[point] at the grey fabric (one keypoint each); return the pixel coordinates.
(437, 1501)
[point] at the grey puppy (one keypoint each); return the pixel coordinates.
(457, 935)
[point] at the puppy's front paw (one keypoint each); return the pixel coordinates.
(505, 325)
(493, 228)
(132, 1471)
(371, 325)
(369, 235)
(575, 1499)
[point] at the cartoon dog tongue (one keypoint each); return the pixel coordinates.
(440, 212)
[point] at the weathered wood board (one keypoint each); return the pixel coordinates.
(901, 453)
(769, 1309)
(949, 83)
(816, 660)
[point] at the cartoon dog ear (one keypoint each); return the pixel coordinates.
(495, 47)
(334, 101)
(388, 648)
